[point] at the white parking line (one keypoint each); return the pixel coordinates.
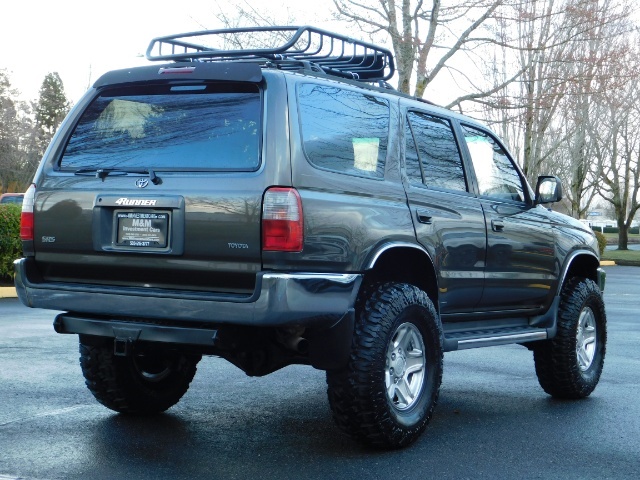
(44, 414)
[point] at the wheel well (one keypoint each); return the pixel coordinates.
(405, 265)
(585, 266)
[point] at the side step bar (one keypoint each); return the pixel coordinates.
(476, 339)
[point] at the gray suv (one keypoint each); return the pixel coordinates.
(283, 205)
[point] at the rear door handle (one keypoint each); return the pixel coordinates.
(424, 216)
(497, 225)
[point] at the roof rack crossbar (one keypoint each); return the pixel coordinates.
(333, 53)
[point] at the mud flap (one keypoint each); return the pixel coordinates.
(329, 349)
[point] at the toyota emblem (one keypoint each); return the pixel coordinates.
(142, 182)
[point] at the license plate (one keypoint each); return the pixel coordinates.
(145, 230)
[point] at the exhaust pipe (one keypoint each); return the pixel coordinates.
(292, 339)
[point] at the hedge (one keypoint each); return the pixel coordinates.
(10, 245)
(602, 241)
(632, 231)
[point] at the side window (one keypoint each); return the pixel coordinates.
(497, 177)
(431, 155)
(343, 130)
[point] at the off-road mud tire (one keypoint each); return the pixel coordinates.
(358, 395)
(557, 360)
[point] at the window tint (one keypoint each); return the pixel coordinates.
(497, 177)
(411, 160)
(197, 127)
(431, 144)
(343, 130)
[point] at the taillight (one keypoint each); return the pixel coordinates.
(282, 225)
(26, 218)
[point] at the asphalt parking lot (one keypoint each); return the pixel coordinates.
(492, 421)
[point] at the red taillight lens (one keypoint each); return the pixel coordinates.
(26, 218)
(26, 226)
(282, 225)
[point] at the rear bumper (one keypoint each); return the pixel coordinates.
(280, 299)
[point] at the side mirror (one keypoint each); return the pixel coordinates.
(548, 189)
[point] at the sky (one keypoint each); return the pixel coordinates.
(82, 40)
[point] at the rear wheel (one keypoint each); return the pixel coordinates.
(387, 394)
(570, 364)
(149, 380)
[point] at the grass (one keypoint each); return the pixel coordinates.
(623, 257)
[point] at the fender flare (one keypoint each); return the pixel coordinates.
(378, 252)
(568, 263)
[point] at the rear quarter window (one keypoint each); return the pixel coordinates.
(208, 127)
(344, 130)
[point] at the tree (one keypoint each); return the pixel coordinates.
(50, 110)
(234, 14)
(594, 78)
(618, 153)
(430, 39)
(568, 52)
(451, 36)
(14, 128)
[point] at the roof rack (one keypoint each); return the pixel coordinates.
(295, 48)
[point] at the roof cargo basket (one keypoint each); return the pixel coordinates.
(286, 47)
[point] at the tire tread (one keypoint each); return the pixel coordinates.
(358, 405)
(555, 360)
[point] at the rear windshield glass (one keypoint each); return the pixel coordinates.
(208, 127)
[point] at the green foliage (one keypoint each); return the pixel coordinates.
(17, 139)
(10, 244)
(26, 130)
(9, 126)
(50, 110)
(52, 105)
(602, 242)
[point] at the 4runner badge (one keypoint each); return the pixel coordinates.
(142, 182)
(135, 202)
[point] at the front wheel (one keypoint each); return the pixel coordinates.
(570, 364)
(387, 393)
(149, 380)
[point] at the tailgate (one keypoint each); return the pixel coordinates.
(158, 186)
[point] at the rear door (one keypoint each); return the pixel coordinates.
(448, 220)
(160, 185)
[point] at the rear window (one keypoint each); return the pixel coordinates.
(165, 127)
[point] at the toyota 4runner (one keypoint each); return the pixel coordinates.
(283, 205)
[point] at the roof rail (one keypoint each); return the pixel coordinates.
(295, 47)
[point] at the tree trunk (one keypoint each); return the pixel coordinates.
(623, 237)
